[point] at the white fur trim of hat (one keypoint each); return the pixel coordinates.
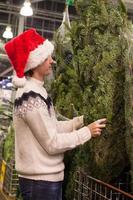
(39, 55)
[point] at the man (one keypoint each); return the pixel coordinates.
(40, 139)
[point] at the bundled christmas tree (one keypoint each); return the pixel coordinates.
(93, 81)
(129, 97)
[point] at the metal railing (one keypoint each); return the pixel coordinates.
(10, 185)
(4, 197)
(89, 188)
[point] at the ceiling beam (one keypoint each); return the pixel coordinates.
(35, 1)
(39, 12)
(58, 1)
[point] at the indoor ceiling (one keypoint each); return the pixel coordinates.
(47, 18)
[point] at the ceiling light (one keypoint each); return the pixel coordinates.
(26, 10)
(8, 33)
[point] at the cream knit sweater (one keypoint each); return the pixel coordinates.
(41, 140)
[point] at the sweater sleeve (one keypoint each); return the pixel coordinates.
(44, 130)
(70, 125)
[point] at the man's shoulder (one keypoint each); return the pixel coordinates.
(31, 95)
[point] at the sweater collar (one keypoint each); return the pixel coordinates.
(36, 81)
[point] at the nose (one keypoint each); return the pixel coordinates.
(53, 61)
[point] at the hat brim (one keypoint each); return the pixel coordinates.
(39, 55)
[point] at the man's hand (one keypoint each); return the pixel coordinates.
(97, 126)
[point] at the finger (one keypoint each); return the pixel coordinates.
(101, 121)
(95, 134)
(98, 130)
(101, 125)
(98, 133)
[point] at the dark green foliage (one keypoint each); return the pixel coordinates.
(5, 115)
(94, 82)
(9, 145)
(7, 128)
(129, 98)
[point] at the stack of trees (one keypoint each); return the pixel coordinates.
(90, 80)
(129, 98)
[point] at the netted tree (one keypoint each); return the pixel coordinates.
(90, 80)
(129, 97)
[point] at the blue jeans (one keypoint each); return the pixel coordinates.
(40, 190)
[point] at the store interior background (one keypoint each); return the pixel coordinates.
(47, 17)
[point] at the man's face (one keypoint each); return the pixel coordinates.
(46, 67)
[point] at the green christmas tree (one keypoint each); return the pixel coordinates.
(94, 82)
(129, 97)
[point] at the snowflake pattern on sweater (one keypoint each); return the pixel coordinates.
(30, 100)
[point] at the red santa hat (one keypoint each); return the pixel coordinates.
(27, 51)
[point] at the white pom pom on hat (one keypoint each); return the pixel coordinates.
(18, 82)
(27, 51)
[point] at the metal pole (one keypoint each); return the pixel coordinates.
(21, 24)
(20, 30)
